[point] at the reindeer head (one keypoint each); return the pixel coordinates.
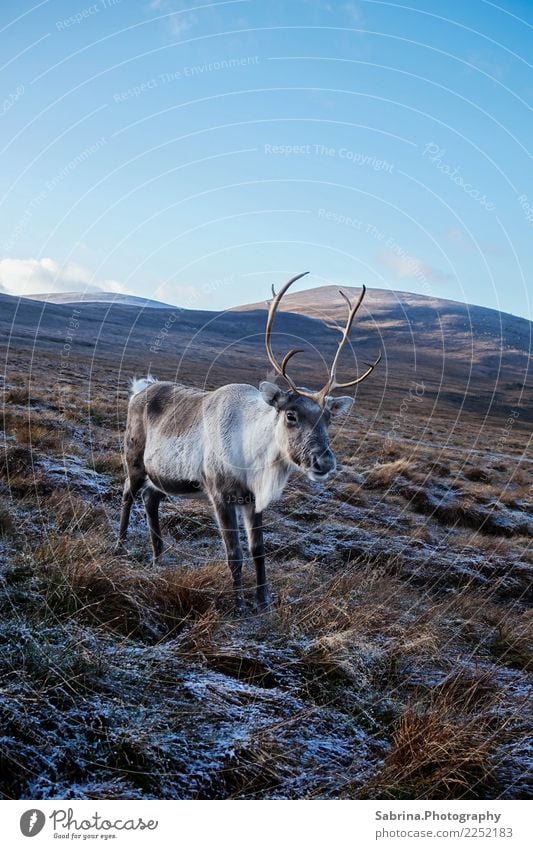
(304, 416)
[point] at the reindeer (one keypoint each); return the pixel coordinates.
(236, 444)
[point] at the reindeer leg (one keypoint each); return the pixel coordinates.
(132, 486)
(226, 515)
(152, 498)
(254, 529)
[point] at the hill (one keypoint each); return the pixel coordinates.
(465, 357)
(425, 331)
(395, 661)
(98, 297)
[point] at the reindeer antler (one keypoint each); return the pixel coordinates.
(331, 383)
(282, 369)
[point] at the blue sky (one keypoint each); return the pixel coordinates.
(195, 152)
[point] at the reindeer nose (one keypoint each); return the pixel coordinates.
(323, 462)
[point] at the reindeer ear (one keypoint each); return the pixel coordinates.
(338, 406)
(272, 394)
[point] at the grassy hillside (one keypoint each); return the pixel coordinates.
(396, 660)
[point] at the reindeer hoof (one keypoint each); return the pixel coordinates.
(239, 607)
(264, 602)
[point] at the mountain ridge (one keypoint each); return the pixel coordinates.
(96, 297)
(305, 297)
(465, 356)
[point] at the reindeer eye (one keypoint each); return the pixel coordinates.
(292, 418)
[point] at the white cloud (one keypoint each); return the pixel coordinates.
(178, 21)
(353, 12)
(45, 276)
(185, 296)
(466, 244)
(405, 266)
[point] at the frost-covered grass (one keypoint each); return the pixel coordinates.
(394, 662)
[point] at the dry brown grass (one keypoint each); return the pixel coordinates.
(461, 509)
(254, 767)
(476, 541)
(17, 395)
(352, 493)
(360, 625)
(443, 743)
(513, 644)
(84, 580)
(7, 524)
(15, 460)
(19, 470)
(364, 642)
(102, 409)
(198, 640)
(420, 532)
(46, 436)
(481, 492)
(477, 473)
(313, 603)
(9, 418)
(108, 462)
(71, 513)
(520, 475)
(195, 589)
(383, 474)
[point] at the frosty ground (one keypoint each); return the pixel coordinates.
(395, 661)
